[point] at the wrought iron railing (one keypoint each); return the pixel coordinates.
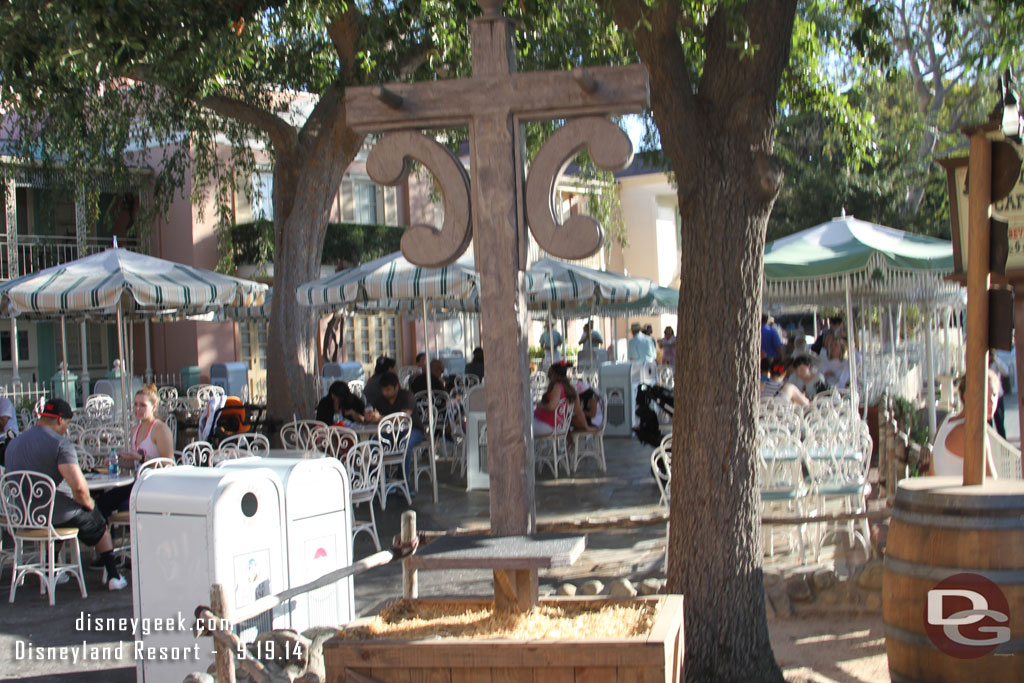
(35, 252)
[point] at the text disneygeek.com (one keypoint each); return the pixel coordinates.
(138, 648)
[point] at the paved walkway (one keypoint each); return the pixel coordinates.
(626, 489)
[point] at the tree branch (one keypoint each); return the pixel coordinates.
(344, 30)
(326, 109)
(282, 135)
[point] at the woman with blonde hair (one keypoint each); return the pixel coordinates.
(151, 437)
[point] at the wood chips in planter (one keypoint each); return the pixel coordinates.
(409, 620)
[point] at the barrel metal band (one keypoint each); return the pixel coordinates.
(931, 519)
(922, 640)
(923, 571)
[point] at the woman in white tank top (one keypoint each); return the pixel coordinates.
(151, 438)
(948, 449)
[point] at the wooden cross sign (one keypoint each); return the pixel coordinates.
(493, 205)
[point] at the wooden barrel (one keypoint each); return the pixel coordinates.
(953, 586)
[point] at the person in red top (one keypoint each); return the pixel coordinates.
(559, 389)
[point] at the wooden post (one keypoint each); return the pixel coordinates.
(494, 104)
(978, 212)
(410, 579)
(225, 657)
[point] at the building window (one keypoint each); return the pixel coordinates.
(5, 346)
(368, 337)
(263, 196)
(95, 334)
(365, 202)
(252, 340)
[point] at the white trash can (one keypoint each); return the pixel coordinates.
(619, 382)
(192, 527)
(318, 534)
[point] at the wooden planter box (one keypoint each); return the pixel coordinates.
(656, 657)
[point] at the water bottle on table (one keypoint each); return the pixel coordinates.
(112, 463)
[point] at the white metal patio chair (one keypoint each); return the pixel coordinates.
(27, 500)
(250, 443)
(591, 444)
(197, 454)
(393, 433)
(661, 468)
(364, 472)
(301, 433)
(838, 456)
(781, 481)
(336, 442)
(553, 448)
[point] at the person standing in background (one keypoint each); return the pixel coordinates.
(667, 344)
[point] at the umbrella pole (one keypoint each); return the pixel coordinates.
(64, 356)
(551, 337)
(929, 350)
(430, 405)
(15, 376)
(120, 352)
(852, 351)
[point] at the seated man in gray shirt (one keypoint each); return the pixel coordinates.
(44, 449)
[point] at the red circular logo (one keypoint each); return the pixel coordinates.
(967, 616)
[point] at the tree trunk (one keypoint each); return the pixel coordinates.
(305, 185)
(715, 551)
(719, 136)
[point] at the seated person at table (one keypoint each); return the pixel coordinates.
(593, 411)
(476, 366)
(44, 449)
(948, 450)
(8, 419)
(836, 370)
(395, 399)
(150, 439)
(340, 404)
(559, 390)
(774, 384)
(437, 383)
(805, 377)
(371, 392)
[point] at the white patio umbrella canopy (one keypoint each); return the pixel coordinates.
(117, 282)
(845, 257)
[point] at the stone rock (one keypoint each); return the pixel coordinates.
(870, 576)
(873, 602)
(799, 589)
(199, 677)
(567, 589)
(829, 597)
(592, 587)
(771, 579)
(778, 600)
(651, 586)
(621, 588)
(823, 579)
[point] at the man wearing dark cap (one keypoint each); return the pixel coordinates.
(44, 449)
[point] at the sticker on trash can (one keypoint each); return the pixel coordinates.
(252, 577)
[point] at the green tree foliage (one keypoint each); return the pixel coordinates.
(96, 87)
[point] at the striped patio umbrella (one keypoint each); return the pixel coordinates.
(386, 282)
(568, 286)
(95, 285)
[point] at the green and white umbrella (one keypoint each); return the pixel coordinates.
(117, 283)
(387, 281)
(96, 285)
(877, 263)
(568, 286)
